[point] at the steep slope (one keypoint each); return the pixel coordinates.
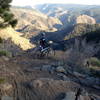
(68, 32)
(16, 38)
(35, 19)
(81, 29)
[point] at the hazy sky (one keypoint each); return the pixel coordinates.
(33, 2)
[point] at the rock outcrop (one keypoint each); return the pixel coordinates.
(85, 19)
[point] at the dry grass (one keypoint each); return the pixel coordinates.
(2, 80)
(95, 62)
(16, 38)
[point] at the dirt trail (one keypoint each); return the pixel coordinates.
(31, 83)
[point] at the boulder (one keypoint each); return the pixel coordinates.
(60, 75)
(6, 98)
(46, 68)
(96, 87)
(65, 78)
(60, 69)
(37, 68)
(79, 75)
(5, 58)
(37, 83)
(70, 96)
(97, 81)
(84, 97)
(6, 87)
(89, 81)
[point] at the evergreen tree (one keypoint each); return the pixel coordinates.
(6, 17)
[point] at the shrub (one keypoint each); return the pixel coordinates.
(95, 62)
(13, 22)
(4, 53)
(1, 41)
(78, 54)
(6, 15)
(93, 36)
(94, 72)
(2, 80)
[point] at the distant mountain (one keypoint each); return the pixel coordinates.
(30, 20)
(68, 13)
(24, 7)
(46, 7)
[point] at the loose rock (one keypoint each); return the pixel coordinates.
(60, 69)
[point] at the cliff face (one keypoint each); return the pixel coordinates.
(85, 19)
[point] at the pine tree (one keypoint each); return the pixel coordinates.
(6, 17)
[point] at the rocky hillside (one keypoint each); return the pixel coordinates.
(30, 20)
(81, 29)
(27, 78)
(9, 33)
